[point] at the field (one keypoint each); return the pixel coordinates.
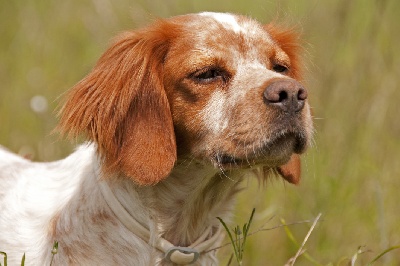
(351, 175)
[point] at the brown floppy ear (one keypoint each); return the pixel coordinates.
(123, 107)
(291, 171)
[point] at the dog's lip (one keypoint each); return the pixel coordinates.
(275, 152)
(231, 162)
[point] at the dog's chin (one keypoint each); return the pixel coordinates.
(273, 153)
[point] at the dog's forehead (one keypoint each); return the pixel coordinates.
(211, 25)
(237, 24)
(221, 36)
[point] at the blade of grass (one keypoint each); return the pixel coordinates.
(246, 227)
(54, 251)
(289, 233)
(230, 260)
(383, 253)
(5, 257)
(239, 241)
(301, 250)
(230, 236)
(355, 256)
(23, 260)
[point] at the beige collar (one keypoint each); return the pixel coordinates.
(178, 255)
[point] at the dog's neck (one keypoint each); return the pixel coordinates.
(181, 207)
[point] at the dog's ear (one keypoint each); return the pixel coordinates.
(291, 171)
(123, 107)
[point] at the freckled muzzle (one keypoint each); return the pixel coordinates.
(285, 133)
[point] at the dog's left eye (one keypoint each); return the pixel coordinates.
(209, 75)
(280, 68)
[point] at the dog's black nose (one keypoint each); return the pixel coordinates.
(287, 94)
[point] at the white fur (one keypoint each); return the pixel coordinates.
(230, 22)
(35, 196)
(214, 117)
(222, 104)
(227, 20)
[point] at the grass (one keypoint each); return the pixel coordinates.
(5, 258)
(54, 251)
(238, 237)
(351, 175)
(301, 250)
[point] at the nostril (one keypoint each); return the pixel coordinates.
(278, 95)
(283, 96)
(302, 94)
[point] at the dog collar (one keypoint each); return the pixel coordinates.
(174, 254)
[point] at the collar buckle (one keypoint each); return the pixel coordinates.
(182, 255)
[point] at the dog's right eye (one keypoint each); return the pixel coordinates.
(209, 75)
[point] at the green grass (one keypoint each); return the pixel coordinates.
(238, 237)
(54, 251)
(352, 173)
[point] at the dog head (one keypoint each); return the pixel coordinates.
(218, 87)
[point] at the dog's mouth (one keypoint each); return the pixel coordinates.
(274, 152)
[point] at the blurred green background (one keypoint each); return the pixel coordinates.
(351, 174)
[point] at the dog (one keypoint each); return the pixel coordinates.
(175, 116)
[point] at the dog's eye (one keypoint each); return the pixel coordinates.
(280, 68)
(209, 75)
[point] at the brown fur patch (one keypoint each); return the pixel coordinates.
(122, 106)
